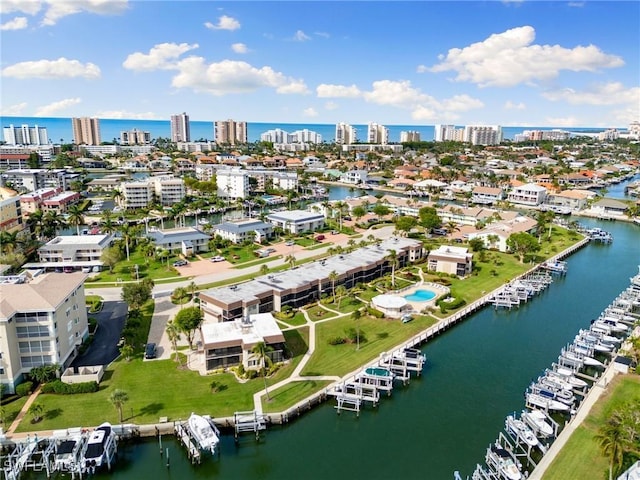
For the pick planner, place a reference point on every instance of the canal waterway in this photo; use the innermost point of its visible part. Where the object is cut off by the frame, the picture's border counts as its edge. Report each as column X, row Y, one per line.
column 476, row 375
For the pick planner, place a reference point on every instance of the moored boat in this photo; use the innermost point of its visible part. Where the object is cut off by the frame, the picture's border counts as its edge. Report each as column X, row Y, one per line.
column 537, row 420
column 521, row 430
column 204, row 432
column 504, row 462
column 96, row 450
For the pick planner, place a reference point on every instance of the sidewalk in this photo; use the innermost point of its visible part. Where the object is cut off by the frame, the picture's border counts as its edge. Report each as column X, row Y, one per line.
column 24, row 411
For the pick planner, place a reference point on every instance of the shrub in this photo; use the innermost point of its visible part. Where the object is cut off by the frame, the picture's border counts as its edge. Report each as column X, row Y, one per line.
column 61, row 388
column 240, row 370
column 24, row 389
column 375, row 312
column 336, row 341
column 251, row 374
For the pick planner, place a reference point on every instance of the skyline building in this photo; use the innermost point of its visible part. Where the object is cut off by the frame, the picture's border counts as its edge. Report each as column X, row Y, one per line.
column 228, row 132
column 410, row 136
column 25, row 135
column 180, row 130
column 135, row 137
column 86, row 130
column 345, row 134
column 377, row 133
column 483, row 134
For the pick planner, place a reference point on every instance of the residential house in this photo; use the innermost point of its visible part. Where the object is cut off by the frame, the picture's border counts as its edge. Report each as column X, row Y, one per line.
column 188, row 240
column 239, row 231
column 72, row 252
column 297, row 221
column 452, row 260
column 528, row 194
column 486, row 195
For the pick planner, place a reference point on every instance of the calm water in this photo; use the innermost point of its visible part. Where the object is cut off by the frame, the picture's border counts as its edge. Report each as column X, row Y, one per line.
column 59, row 129
column 476, row 375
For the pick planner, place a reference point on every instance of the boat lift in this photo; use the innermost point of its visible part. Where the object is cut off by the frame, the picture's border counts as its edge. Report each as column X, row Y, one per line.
column 17, row 460
column 249, row 421
column 184, row 436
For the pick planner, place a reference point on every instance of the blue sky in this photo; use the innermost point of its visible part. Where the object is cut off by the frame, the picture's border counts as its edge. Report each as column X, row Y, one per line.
column 562, row 64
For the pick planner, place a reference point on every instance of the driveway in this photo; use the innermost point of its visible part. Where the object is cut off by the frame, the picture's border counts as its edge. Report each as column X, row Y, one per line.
column 104, row 348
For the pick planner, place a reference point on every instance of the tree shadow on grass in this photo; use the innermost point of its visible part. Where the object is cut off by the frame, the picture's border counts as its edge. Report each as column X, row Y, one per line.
column 152, row 408
column 53, row 413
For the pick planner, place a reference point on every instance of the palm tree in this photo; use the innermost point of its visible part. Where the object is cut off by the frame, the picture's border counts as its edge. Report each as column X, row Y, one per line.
column 118, row 398
column 260, row 350
column 333, row 276
column 264, row 269
column 291, row 260
column 393, row 260
column 356, row 315
column 173, row 333
column 612, row 440
column 8, row 241
column 76, row 217
column 36, row 223
column 35, row 410
column 341, row 292
column 192, row 289
column 126, row 230
column 107, row 226
column 53, row 222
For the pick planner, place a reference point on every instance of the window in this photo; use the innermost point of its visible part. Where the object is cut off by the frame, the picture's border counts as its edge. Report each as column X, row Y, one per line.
column 32, row 331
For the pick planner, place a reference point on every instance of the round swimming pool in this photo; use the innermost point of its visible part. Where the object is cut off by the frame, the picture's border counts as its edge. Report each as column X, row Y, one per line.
column 421, row 296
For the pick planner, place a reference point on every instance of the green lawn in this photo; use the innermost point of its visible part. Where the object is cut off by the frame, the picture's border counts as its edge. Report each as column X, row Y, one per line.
column 125, row 270
column 381, row 334
column 10, row 409
column 257, row 262
column 240, row 253
column 581, row 456
column 345, row 305
column 318, row 313
column 295, row 321
column 292, row 393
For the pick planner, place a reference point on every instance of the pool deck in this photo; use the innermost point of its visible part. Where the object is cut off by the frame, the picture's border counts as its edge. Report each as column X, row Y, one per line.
column 440, row 290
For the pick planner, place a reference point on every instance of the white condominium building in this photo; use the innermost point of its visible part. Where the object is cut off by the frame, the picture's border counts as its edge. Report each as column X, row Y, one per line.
column 228, row 132
column 180, row 129
column 305, row 136
column 43, row 321
column 25, row 135
column 275, row 136
column 135, row 137
column 86, row 131
column 483, row 134
column 169, row 190
column 135, row 194
column 448, row 133
column 377, row 134
column 410, row 136
column 233, row 183
column 345, row 134
column 166, row 189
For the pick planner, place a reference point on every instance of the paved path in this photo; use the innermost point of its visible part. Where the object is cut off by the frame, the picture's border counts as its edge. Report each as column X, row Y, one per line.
column 23, row 411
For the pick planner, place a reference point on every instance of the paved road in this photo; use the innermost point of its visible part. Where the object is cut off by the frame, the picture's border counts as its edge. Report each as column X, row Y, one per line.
column 104, row 348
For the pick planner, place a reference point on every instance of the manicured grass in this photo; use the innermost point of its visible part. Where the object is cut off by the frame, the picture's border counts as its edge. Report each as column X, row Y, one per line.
column 257, row 262
column 292, row 393
column 318, row 313
column 295, row 321
column 381, row 334
column 125, row 269
column 319, row 246
column 244, row 253
column 10, row 409
column 581, row 456
column 94, row 302
column 345, row 305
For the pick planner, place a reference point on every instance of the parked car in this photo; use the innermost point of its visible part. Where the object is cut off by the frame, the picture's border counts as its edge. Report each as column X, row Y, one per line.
column 407, row 317
column 217, row 258
column 270, row 250
column 86, row 269
column 180, row 263
column 319, row 238
column 150, row 350
column 334, row 232
column 289, row 243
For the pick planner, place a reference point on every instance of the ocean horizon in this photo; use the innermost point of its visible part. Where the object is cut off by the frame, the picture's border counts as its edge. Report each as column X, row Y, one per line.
column 59, row 129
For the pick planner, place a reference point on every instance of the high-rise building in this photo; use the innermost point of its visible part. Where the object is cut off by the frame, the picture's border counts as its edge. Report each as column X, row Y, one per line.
column 447, row 133
column 378, row 134
column 86, row 131
column 345, row 134
column 25, row 135
column 180, row 131
column 410, row 136
column 135, row 137
column 228, row 132
column 483, row 134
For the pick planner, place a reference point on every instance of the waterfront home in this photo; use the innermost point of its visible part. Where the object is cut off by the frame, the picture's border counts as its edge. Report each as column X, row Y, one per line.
column 72, row 252
column 355, row 177
column 188, row 240
column 496, row 234
column 231, row 343
column 530, row 194
column 573, row 199
column 297, row 221
column 239, row 231
column 609, row 207
column 306, row 283
column 486, row 195
column 451, row 260
column 43, row 321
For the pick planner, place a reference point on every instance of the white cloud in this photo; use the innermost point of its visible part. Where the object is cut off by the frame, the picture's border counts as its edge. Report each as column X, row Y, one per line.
column 576, row 4
column 239, row 48
column 325, row 90
column 423, row 113
column 55, row 107
column 30, row 7
column 460, row 103
column 562, row 122
column 61, row 8
column 422, row 69
column 17, row 23
column 224, row 23
column 613, row 93
column 49, row 69
column 230, row 76
column 127, row 115
column 161, row 56
column 509, row 105
column 322, row 34
column 510, row 58
column 300, row 36
column 310, row 112
column 13, row 110
column 331, row 105
column 396, row 93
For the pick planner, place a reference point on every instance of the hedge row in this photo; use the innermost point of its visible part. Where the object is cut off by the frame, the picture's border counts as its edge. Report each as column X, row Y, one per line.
column 59, row 387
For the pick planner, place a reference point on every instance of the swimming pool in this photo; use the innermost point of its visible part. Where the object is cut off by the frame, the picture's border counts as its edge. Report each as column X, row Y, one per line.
column 421, row 296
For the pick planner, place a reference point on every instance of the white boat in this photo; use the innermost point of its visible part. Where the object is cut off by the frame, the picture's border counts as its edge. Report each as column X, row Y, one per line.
column 546, row 403
column 547, row 388
column 521, row 430
column 67, row 451
column 203, row 221
column 567, row 376
column 204, row 432
column 504, row 462
column 614, row 324
column 94, row 453
column 537, row 420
